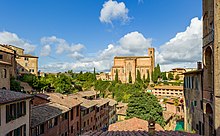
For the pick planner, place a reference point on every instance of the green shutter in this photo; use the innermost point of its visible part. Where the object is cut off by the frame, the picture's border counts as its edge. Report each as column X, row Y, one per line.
column 24, row 107
column 7, row 113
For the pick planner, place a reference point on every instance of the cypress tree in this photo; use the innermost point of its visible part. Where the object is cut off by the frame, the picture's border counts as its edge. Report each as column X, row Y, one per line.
column 148, row 76
column 144, row 78
column 138, row 79
column 130, row 78
column 94, row 73
column 116, row 76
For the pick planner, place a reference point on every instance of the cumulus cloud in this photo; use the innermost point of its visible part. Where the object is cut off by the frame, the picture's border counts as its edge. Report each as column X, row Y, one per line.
column 113, row 10
column 45, row 50
column 13, row 39
column 184, row 47
column 61, row 45
column 76, row 55
column 131, row 44
column 135, row 41
column 103, row 61
column 184, row 50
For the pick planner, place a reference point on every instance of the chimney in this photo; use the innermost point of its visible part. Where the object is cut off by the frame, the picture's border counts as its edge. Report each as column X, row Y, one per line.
column 151, row 127
column 199, row 65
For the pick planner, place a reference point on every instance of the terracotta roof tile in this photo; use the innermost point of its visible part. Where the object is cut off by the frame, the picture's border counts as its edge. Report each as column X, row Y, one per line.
column 112, row 102
column 133, row 124
column 26, row 86
column 84, row 102
column 101, row 101
column 63, row 100
column 45, row 112
column 120, row 104
column 137, row 133
column 88, row 93
column 122, row 111
column 7, row 96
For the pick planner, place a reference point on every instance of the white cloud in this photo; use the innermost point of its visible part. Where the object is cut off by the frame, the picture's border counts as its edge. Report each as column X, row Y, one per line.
column 184, row 50
column 113, row 10
column 76, row 55
column 61, row 45
column 135, row 41
column 45, row 50
column 185, row 47
column 131, row 44
column 13, row 39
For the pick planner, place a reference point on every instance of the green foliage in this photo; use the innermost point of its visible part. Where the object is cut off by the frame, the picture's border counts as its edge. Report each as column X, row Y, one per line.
column 163, row 75
column 63, row 84
column 94, row 75
column 138, row 78
column 116, row 76
column 144, row 79
column 14, row 85
column 156, row 73
column 130, row 77
column 122, row 92
column 170, row 76
column 29, row 78
column 177, row 77
column 102, row 86
column 145, row 106
column 148, row 77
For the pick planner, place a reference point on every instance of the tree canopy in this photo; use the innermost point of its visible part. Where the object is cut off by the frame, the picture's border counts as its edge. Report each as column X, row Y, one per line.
column 156, row 73
column 130, row 78
column 145, row 106
column 116, row 76
column 170, row 76
column 138, row 78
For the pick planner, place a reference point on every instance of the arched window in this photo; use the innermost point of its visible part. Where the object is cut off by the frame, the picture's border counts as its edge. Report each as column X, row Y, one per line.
column 209, row 65
column 4, row 73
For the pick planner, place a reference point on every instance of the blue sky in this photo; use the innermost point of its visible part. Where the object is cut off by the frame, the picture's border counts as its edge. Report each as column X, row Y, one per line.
column 81, row 34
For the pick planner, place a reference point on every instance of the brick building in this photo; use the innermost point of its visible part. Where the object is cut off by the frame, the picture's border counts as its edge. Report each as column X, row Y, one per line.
column 102, row 114
column 131, row 64
column 211, row 66
column 112, row 111
column 69, row 120
column 193, row 94
column 49, row 120
column 88, row 114
column 90, row 95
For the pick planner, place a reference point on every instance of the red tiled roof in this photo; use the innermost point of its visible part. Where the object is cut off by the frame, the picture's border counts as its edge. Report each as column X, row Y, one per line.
column 100, row 101
column 133, row 124
column 88, row 93
column 7, row 96
column 63, row 100
column 122, row 111
column 112, row 102
column 137, row 133
column 45, row 112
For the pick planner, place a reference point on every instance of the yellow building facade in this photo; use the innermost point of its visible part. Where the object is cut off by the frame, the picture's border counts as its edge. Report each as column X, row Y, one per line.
column 26, row 63
column 7, row 66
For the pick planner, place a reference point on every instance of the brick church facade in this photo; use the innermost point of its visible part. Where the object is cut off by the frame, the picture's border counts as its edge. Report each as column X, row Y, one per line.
column 131, row 64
